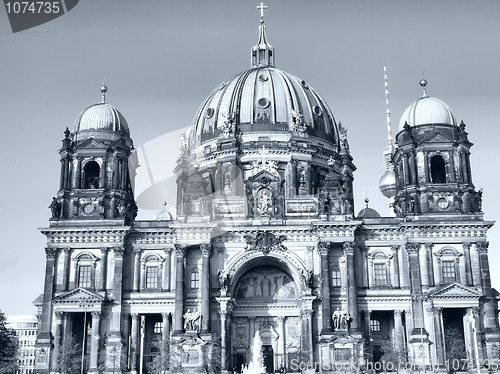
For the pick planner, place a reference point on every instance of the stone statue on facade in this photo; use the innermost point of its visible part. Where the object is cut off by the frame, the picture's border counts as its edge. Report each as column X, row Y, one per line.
column 55, row 208
column 192, row 320
column 223, row 279
column 341, row 320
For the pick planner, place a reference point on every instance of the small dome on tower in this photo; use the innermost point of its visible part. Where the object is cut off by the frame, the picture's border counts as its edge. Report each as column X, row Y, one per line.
column 368, row 212
column 427, row 111
column 101, row 116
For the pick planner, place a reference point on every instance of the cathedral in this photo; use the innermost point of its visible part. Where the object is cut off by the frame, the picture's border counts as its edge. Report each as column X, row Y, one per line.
column 266, row 245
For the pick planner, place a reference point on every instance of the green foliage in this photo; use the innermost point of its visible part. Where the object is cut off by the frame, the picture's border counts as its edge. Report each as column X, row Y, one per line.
column 393, row 354
column 69, row 359
column 8, row 348
column 455, row 346
column 160, row 362
column 215, row 356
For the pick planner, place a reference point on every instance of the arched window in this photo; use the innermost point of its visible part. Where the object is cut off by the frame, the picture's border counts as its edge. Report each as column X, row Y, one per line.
column 448, row 259
column 380, row 269
column 438, row 171
column 152, row 272
column 85, row 270
column 91, row 172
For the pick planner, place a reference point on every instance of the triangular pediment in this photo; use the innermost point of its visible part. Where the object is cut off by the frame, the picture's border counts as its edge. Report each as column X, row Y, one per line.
column 260, row 175
column 91, row 143
column 455, row 291
column 76, row 296
column 438, row 137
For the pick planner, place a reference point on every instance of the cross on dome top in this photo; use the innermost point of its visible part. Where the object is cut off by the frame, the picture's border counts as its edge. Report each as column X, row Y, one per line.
column 261, row 7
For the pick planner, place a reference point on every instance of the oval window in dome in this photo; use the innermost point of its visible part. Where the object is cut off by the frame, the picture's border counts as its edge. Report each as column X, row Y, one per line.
column 317, row 110
column 263, row 102
column 209, row 112
column 263, row 78
column 222, row 85
column 304, row 84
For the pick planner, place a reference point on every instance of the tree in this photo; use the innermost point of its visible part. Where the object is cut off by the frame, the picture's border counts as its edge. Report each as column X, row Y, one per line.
column 113, row 359
column 8, row 348
column 160, row 362
column 69, row 359
column 214, row 358
column 394, row 355
column 455, row 348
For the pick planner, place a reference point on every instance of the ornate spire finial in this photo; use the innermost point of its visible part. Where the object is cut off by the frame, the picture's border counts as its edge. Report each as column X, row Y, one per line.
column 104, row 89
column 263, row 52
column 423, row 83
column 261, row 7
column 367, row 201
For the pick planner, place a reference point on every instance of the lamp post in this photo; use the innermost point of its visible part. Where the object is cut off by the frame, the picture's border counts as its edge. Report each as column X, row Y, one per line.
column 84, row 303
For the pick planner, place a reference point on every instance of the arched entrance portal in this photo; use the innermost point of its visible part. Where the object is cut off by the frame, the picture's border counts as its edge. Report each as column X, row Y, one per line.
column 267, row 299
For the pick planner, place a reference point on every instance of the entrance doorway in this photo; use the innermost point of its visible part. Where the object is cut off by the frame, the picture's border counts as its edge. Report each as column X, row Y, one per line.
column 268, row 354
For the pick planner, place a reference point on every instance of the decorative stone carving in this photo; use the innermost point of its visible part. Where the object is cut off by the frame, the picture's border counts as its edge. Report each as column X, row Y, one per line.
column 264, row 165
column 192, row 320
column 50, row 252
column 265, row 242
column 482, row 247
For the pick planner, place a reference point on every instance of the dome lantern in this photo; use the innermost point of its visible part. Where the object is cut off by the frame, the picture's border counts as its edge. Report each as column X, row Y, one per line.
column 262, row 52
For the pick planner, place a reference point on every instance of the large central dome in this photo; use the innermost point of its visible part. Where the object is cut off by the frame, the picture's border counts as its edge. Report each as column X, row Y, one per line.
column 264, row 99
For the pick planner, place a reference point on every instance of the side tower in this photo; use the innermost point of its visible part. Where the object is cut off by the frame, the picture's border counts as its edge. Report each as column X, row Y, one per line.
column 91, row 216
column 445, row 257
column 432, row 162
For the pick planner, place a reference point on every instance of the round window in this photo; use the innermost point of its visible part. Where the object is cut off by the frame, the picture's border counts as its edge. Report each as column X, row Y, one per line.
column 442, row 203
column 263, row 103
column 222, row 85
column 317, row 110
column 303, row 83
column 209, row 113
column 263, row 78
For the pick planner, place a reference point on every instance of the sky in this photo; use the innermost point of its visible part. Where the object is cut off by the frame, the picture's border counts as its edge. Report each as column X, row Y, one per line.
column 160, row 60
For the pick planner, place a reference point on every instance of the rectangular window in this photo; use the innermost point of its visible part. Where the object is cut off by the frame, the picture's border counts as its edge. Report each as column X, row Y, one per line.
column 375, row 325
column 84, row 276
column 195, row 280
column 151, row 277
column 379, row 274
column 336, row 278
column 448, row 268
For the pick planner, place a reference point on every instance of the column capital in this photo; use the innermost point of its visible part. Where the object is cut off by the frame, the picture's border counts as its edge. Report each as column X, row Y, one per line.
column 134, row 315
column 305, row 313
column 50, row 252
column 323, row 248
column 59, row 316
column 434, row 311
column 180, row 250
column 68, row 250
column 412, row 248
column 137, row 251
column 348, row 247
column 206, row 249
column 473, row 311
column 397, row 313
column 428, row 246
column 310, row 248
column 395, row 248
column 223, row 314
column 165, row 316
column 118, row 251
column 482, row 247
column 105, row 250
column 466, row 245
column 167, row 250
column 96, row 315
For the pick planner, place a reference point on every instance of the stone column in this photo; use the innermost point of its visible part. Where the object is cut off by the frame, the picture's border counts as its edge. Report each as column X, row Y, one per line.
column 58, row 339
column 430, row 260
column 352, row 296
column 413, row 168
column 206, row 253
column 323, row 249
column 395, row 261
column 426, row 167
column 137, row 269
column 168, row 269
column 398, row 329
column 115, row 335
column 368, row 331
column 452, row 167
column 67, row 268
column 437, row 314
column 134, row 343
column 223, row 338
column 415, row 286
column 281, row 339
column 179, row 289
column 473, row 335
column 252, row 330
column 475, row 266
column 165, row 336
column 406, row 169
column 490, row 305
column 94, row 342
column 45, row 322
column 467, row 261
column 104, row 268
column 306, row 335
column 424, row 265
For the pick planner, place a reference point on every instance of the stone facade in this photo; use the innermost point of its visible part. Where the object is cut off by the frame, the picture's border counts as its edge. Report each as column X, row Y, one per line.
column 265, row 239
